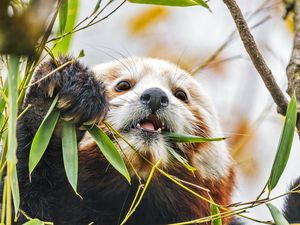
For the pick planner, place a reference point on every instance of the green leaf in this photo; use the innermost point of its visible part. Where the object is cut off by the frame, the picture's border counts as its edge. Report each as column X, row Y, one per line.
column 15, row 188
column 2, row 101
column 109, row 150
column 2, row 121
column 34, row 222
column 43, row 136
column 181, row 3
column 214, row 211
column 70, row 152
column 185, row 138
column 3, row 154
column 63, row 16
column 285, row 144
column 181, row 159
column 277, row 215
column 13, row 69
column 62, row 45
column 81, row 54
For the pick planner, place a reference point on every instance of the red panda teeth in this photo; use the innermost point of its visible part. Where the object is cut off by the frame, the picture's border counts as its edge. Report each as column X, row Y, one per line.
column 138, row 126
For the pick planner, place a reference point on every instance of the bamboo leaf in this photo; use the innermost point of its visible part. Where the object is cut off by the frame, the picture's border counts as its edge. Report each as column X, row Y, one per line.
column 62, row 46
column 43, row 136
column 185, row 138
column 181, row 159
column 2, row 100
column 109, row 150
column 181, row 3
column 34, row 222
column 70, row 152
column 285, row 144
column 81, row 54
column 13, row 69
column 63, row 15
column 15, row 188
column 215, row 213
column 2, row 123
column 3, row 154
column 4, row 192
column 277, row 215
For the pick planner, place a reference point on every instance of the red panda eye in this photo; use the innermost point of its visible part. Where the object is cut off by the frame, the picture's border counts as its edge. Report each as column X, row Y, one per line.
column 180, row 94
column 123, row 86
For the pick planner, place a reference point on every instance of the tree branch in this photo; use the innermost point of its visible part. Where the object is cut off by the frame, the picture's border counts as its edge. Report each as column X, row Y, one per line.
column 293, row 68
column 256, row 57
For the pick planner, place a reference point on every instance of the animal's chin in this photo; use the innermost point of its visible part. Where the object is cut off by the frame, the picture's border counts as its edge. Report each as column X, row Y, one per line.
column 148, row 142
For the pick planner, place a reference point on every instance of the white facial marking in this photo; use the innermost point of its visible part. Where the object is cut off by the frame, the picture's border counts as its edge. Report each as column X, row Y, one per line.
column 126, row 113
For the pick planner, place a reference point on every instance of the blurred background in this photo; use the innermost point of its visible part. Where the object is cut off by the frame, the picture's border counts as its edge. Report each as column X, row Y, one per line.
column 189, row 37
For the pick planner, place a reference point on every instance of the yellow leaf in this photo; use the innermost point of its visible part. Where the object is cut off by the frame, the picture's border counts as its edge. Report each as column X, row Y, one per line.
column 146, row 19
column 289, row 21
column 242, row 148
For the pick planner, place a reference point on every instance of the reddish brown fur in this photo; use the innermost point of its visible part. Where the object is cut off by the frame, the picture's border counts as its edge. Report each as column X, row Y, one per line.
column 180, row 201
column 106, row 195
column 108, row 179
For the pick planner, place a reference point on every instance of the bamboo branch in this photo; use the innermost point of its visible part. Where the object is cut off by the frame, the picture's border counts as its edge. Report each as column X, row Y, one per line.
column 231, row 37
column 256, row 57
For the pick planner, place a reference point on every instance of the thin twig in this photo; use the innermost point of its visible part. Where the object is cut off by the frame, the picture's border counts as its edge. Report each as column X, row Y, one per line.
column 89, row 24
column 24, row 111
column 51, row 73
column 226, row 209
column 138, row 200
column 3, row 95
column 3, row 201
column 230, row 38
column 222, row 61
column 256, row 57
column 98, row 14
column 130, row 163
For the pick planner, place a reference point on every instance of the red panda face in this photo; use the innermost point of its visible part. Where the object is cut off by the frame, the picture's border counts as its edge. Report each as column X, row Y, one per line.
column 148, row 97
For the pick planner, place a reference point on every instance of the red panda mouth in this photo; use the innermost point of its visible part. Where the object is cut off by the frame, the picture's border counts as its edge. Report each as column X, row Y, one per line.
column 151, row 124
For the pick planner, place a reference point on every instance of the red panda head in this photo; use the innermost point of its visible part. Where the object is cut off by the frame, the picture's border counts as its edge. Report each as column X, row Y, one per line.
column 149, row 96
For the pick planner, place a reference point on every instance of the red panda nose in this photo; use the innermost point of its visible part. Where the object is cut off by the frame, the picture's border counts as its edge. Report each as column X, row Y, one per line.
column 155, row 99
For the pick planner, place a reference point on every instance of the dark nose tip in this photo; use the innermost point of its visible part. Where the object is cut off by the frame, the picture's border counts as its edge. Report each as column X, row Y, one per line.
column 154, row 98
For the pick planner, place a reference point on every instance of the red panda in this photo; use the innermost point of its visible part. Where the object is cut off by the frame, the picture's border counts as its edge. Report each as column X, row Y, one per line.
column 141, row 98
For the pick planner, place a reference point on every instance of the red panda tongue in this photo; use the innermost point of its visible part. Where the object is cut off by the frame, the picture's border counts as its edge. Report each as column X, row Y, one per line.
column 148, row 126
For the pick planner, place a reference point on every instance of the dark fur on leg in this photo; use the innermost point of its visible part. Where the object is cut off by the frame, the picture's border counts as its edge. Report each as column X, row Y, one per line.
column 81, row 99
column 292, row 204
column 236, row 221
